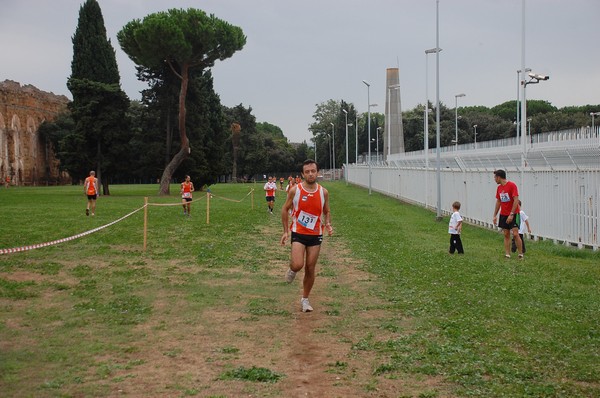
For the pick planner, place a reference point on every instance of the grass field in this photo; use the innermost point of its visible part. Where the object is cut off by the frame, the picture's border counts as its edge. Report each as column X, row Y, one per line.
column 204, row 310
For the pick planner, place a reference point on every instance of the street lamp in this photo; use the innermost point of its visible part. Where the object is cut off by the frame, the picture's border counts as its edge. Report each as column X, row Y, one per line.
column 518, row 97
column 377, row 145
column 426, row 122
column 456, row 97
column 475, row 134
column 388, row 124
column 592, row 114
column 371, row 106
column 329, row 152
column 346, row 168
column 333, row 135
column 534, row 79
column 438, row 216
column 529, row 128
column 356, row 140
column 369, row 128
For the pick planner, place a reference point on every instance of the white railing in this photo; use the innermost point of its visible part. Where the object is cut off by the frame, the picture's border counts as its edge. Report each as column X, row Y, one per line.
column 558, row 179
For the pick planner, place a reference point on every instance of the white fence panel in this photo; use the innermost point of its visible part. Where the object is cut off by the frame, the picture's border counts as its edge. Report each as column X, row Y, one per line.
column 559, row 186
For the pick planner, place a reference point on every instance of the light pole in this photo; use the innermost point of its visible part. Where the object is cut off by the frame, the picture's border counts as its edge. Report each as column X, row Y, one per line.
column 346, row 168
column 369, row 128
column 315, row 140
column 518, row 97
column 475, row 134
column 356, row 140
column 372, row 106
column 377, row 143
column 592, row 114
column 534, row 79
column 388, row 124
column 529, row 128
column 437, row 111
column 333, row 145
column 329, row 152
column 456, row 97
column 426, row 122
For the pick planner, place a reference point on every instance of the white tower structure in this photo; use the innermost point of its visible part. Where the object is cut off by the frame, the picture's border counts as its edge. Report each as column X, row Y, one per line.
column 393, row 138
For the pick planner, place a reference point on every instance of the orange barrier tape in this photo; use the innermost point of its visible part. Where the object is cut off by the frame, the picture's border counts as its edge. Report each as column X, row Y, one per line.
column 55, row 242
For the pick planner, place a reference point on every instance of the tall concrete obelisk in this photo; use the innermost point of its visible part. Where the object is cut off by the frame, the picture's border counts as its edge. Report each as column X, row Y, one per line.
column 393, row 139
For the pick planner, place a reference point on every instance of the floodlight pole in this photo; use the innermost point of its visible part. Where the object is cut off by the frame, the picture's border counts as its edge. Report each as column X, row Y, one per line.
column 437, row 110
column 456, row 120
column 356, row 140
column 346, row 167
column 369, row 130
column 333, row 135
column 426, row 122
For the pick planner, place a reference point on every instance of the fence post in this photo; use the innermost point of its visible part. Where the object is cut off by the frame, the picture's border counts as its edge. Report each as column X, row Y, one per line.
column 207, row 208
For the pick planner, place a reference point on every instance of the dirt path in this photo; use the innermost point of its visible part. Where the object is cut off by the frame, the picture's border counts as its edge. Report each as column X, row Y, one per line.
column 315, row 352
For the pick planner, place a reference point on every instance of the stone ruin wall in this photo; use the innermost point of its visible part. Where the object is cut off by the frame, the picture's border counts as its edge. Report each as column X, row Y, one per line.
column 25, row 156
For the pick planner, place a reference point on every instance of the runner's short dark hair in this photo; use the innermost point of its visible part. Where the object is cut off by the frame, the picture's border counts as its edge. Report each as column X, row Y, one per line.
column 310, row 161
column 500, row 173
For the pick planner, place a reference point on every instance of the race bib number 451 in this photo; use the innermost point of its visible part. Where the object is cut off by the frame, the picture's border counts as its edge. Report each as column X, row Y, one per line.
column 307, row 220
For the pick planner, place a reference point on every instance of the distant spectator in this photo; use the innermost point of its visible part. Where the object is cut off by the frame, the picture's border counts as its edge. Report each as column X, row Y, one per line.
column 524, row 223
column 454, row 229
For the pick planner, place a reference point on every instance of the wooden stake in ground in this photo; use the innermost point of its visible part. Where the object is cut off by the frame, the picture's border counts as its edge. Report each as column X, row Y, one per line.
column 145, row 221
column 207, row 208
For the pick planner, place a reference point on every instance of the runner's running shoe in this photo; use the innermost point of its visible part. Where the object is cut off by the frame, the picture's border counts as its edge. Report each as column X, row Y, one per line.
column 305, row 305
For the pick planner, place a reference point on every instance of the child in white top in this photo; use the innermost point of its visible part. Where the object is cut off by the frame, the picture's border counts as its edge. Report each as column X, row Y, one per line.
column 524, row 222
column 454, row 229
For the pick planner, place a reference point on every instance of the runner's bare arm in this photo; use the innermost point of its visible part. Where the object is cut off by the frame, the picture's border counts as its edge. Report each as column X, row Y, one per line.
column 327, row 213
column 285, row 214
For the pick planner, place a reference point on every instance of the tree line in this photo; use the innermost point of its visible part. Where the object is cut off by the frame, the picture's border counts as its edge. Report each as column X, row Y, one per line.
column 492, row 123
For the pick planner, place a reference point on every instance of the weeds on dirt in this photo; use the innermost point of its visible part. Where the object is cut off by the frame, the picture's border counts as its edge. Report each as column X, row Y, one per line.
column 254, row 373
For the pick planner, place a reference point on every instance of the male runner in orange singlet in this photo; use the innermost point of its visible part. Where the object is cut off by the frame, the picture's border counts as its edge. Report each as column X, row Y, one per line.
column 309, row 205
column 187, row 187
column 90, row 188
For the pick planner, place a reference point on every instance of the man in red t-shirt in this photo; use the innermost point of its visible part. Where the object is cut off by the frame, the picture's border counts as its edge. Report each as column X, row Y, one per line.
column 507, row 201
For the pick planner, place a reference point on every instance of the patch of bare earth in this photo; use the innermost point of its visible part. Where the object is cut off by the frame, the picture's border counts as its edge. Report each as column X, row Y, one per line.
column 314, row 351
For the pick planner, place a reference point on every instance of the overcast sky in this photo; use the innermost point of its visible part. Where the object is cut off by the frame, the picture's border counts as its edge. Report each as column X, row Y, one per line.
column 302, row 53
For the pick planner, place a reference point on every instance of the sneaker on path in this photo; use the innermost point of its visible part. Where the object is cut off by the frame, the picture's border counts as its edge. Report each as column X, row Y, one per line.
column 289, row 276
column 305, row 305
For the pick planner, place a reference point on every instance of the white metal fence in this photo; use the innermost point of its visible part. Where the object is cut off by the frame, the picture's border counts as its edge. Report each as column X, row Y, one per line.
column 558, row 179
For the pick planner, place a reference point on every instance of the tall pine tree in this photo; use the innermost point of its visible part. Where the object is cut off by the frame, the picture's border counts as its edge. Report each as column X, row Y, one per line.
column 99, row 105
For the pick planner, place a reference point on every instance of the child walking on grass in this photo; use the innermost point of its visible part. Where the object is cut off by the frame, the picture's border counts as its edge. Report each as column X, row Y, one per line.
column 524, row 224
column 454, row 229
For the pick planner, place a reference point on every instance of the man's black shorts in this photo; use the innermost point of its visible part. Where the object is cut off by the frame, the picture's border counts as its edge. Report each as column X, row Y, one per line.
column 187, row 199
column 92, row 197
column 270, row 198
column 514, row 224
column 307, row 240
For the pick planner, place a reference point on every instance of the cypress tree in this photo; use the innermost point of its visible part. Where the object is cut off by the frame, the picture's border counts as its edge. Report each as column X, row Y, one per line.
column 93, row 55
column 99, row 105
